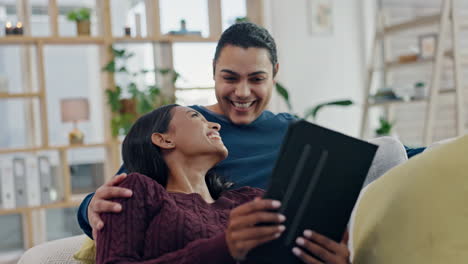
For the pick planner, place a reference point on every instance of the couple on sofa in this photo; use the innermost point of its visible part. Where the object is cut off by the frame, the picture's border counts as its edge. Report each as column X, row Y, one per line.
column 177, row 205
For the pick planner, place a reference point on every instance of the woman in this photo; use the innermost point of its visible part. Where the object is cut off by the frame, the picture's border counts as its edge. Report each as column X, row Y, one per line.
column 180, row 212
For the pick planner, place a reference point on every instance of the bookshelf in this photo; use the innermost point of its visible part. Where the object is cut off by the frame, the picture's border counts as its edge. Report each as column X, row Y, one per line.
column 449, row 23
column 102, row 40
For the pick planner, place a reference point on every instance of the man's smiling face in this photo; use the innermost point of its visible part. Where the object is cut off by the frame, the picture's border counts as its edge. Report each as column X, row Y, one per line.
column 243, row 82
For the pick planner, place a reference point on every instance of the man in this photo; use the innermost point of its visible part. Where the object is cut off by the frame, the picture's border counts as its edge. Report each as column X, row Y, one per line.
column 244, row 68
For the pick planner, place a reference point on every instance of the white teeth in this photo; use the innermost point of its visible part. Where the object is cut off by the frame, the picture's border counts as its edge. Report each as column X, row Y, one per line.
column 243, row 105
column 212, row 136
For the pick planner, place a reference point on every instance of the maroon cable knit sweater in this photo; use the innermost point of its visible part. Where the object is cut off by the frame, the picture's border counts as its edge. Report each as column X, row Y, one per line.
column 160, row 227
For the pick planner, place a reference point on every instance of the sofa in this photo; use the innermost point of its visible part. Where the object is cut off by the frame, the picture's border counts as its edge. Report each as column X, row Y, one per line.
column 390, row 154
column 57, row 251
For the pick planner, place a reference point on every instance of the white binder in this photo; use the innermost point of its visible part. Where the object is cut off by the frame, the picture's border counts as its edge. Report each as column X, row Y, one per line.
column 19, row 174
column 32, row 181
column 1, row 185
column 48, row 192
column 7, row 188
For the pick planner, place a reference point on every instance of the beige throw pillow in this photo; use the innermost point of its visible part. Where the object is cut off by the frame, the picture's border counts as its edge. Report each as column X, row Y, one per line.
column 87, row 252
column 417, row 212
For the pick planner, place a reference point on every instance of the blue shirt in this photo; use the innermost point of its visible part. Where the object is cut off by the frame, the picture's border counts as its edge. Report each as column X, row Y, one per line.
column 253, row 150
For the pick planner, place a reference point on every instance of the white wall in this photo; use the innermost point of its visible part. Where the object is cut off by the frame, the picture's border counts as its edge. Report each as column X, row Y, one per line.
column 319, row 68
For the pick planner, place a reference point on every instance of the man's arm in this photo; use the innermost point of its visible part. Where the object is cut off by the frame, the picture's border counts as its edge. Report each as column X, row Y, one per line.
column 83, row 216
column 411, row 152
column 98, row 202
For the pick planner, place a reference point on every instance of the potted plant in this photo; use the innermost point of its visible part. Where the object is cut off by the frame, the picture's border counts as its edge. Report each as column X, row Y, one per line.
column 385, row 128
column 82, row 18
column 130, row 101
column 313, row 111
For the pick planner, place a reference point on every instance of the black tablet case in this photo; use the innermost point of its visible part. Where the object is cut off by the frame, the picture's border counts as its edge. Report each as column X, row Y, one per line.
column 318, row 176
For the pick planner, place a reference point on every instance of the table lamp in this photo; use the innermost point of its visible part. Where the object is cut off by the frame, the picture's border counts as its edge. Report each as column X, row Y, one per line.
column 75, row 110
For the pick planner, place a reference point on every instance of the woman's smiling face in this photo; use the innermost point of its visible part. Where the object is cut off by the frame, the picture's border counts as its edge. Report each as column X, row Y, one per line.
column 192, row 134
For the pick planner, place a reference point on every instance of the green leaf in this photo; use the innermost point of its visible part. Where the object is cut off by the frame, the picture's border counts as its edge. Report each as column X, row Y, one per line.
column 312, row 112
column 385, row 126
column 175, row 74
column 80, row 14
column 122, row 53
column 154, row 90
column 283, row 92
column 128, row 55
column 147, row 106
column 126, row 123
column 175, row 77
column 110, row 66
column 133, row 89
column 113, row 99
column 242, row 19
column 144, row 71
column 115, row 125
column 164, row 71
column 72, row 16
column 121, row 124
column 84, row 14
column 118, row 53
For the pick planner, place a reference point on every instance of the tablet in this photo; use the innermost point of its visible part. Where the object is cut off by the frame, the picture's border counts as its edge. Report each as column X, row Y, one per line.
column 317, row 177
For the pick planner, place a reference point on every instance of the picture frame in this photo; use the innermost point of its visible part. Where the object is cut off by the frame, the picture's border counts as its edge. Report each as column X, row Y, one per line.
column 320, row 17
column 427, row 46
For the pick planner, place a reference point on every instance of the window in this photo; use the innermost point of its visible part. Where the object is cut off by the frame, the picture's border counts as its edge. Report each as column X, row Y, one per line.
column 14, row 233
column 62, row 223
column 232, row 9
column 78, row 77
column 128, row 14
column 16, row 130
column 194, row 63
column 194, row 12
column 87, row 169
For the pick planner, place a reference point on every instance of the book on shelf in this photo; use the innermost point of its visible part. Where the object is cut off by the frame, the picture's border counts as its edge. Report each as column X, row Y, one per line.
column 32, row 181
column 19, row 174
column 47, row 191
column 7, row 188
column 1, row 185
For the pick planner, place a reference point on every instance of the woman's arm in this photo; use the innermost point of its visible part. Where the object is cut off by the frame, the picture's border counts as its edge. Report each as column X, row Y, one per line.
column 207, row 251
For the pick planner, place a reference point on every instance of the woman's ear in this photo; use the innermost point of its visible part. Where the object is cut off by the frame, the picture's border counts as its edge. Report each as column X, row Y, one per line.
column 162, row 141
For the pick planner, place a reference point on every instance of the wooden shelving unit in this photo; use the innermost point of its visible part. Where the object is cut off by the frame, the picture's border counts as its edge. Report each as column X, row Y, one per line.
column 103, row 40
column 389, row 65
column 448, row 21
column 417, row 22
column 53, row 148
column 18, row 95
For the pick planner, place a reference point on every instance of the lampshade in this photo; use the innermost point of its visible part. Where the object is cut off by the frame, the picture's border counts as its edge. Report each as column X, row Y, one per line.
column 74, row 109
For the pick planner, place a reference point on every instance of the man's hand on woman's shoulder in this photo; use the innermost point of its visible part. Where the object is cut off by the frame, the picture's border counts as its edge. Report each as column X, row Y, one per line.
column 100, row 202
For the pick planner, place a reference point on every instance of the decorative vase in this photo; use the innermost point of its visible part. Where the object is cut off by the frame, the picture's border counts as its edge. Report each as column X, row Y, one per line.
column 83, row 27
column 76, row 137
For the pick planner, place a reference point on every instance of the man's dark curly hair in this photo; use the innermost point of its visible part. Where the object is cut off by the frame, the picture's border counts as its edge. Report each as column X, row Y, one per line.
column 248, row 35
